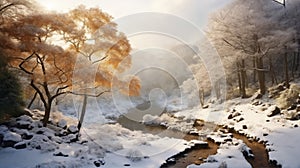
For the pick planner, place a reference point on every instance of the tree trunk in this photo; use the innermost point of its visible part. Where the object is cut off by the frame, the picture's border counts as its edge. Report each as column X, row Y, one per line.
column 286, row 69
column 294, row 65
column 261, row 75
column 82, row 112
column 254, row 70
column 272, row 73
column 298, row 58
column 246, row 80
column 47, row 113
column 239, row 77
column 201, row 96
column 217, row 89
column 243, row 79
column 298, row 61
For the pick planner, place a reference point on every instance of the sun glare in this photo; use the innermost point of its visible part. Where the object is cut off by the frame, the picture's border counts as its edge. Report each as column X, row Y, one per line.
column 49, row 6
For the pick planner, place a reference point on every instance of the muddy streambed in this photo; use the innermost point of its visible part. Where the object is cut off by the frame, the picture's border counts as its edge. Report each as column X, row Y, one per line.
column 197, row 156
column 261, row 159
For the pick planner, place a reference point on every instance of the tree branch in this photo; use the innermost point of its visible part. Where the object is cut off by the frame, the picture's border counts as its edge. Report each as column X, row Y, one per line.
column 89, row 95
column 38, row 91
column 100, row 59
column 2, row 9
column 61, row 88
column 23, row 62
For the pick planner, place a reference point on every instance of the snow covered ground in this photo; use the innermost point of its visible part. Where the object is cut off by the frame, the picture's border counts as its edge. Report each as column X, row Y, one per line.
column 105, row 145
column 252, row 118
column 111, row 145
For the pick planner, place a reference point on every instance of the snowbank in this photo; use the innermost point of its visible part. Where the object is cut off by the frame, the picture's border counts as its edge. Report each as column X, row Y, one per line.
column 279, row 134
column 105, row 145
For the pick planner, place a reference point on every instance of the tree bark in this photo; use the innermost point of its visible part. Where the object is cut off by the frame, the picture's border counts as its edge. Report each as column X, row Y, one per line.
column 217, row 89
column 261, row 75
column 82, row 112
column 243, row 75
column 294, row 65
column 298, row 61
column 254, row 70
column 243, row 79
column 272, row 73
column 47, row 113
column 239, row 77
column 286, row 69
column 201, row 96
column 298, row 58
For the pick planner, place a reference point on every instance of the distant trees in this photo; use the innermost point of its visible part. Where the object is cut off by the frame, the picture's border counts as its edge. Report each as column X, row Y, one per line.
column 288, row 17
column 248, row 33
column 50, row 49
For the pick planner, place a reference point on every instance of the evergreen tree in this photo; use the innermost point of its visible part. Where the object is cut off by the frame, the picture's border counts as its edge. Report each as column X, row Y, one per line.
column 11, row 101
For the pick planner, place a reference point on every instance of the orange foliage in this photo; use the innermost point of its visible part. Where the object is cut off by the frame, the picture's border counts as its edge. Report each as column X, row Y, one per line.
column 48, row 48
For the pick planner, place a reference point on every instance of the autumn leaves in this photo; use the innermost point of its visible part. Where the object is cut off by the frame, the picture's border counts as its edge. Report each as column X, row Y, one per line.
column 77, row 52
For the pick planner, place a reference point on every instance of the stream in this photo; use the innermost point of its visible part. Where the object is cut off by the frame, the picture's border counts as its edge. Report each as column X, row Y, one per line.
column 197, row 156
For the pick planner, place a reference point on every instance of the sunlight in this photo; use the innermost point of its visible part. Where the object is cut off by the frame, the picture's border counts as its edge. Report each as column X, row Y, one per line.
column 150, row 83
column 50, row 6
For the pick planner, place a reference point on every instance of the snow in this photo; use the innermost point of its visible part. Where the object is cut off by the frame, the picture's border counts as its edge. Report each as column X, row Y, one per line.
column 3, row 129
column 230, row 153
column 19, row 144
column 156, row 153
column 10, row 157
column 73, row 129
column 284, row 146
column 168, row 121
column 116, row 138
column 226, row 155
column 62, row 123
column 41, row 142
column 282, row 149
column 271, row 130
column 24, row 118
column 11, row 136
column 118, row 146
column 149, row 119
column 109, row 143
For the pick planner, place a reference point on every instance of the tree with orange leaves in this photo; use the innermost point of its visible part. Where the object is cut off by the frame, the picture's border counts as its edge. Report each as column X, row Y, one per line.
column 72, row 53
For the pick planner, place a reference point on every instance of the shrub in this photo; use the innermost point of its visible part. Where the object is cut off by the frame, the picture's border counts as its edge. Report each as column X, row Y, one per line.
column 11, row 101
column 288, row 96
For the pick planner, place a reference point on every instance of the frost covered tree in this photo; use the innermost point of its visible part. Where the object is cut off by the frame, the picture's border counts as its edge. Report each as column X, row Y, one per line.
column 288, row 17
column 247, row 34
column 50, row 49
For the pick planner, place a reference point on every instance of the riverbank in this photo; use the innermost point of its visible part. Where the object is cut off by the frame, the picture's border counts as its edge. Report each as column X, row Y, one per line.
column 197, row 156
column 250, row 124
column 259, row 120
column 26, row 143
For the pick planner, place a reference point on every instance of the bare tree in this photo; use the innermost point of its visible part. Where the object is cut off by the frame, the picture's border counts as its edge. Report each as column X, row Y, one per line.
column 244, row 31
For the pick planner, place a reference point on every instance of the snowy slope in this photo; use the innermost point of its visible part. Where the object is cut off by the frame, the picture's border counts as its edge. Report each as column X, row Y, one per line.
column 108, row 144
column 280, row 135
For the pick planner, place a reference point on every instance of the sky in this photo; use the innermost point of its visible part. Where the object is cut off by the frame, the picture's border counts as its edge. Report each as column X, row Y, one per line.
column 188, row 14
column 155, row 29
column 195, row 11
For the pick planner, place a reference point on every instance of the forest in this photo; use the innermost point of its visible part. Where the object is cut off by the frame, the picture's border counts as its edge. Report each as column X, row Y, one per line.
column 83, row 88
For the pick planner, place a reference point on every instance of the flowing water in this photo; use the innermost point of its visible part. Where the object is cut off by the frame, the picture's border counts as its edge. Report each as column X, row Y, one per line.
column 197, row 156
